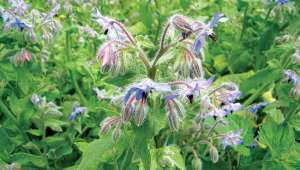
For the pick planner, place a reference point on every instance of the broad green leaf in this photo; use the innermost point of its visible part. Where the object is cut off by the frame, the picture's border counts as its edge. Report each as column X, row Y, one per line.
column 103, row 150
column 6, row 144
column 170, row 153
column 276, row 115
column 278, row 138
column 295, row 121
column 262, row 77
column 26, row 158
column 146, row 15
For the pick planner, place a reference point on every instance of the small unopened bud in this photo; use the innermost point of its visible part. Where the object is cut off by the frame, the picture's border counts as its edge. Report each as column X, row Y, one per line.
column 197, row 164
column 129, row 109
column 68, row 6
column 182, row 23
column 214, row 155
column 107, row 123
column 173, row 121
column 116, row 134
column 140, row 114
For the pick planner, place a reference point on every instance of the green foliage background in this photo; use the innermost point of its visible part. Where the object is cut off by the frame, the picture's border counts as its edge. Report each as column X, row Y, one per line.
column 251, row 50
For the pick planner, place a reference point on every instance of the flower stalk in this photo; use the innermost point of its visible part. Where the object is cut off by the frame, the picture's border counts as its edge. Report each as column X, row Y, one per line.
column 73, row 78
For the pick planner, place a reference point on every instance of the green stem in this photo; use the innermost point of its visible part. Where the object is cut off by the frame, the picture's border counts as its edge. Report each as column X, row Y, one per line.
column 244, row 22
column 11, row 116
column 127, row 159
column 44, row 128
column 73, row 78
column 255, row 95
column 268, row 14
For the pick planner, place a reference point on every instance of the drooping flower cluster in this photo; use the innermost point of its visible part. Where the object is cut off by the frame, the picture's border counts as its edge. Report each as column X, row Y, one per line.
column 111, row 53
column 187, row 26
column 48, row 108
column 190, row 64
column 13, row 18
column 135, row 99
column 216, row 103
column 293, row 77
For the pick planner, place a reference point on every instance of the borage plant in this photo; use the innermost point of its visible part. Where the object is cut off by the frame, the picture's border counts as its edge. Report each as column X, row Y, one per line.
column 209, row 132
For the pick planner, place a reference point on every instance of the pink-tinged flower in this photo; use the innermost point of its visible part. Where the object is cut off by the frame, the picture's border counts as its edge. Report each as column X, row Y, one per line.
column 140, row 112
column 175, row 112
column 116, row 134
column 136, row 97
column 22, row 57
column 109, row 55
column 188, row 65
column 108, row 122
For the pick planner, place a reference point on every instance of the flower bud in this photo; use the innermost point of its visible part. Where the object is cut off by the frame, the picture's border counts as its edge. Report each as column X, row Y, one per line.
column 116, row 134
column 107, row 123
column 181, row 23
column 173, row 121
column 197, row 164
column 214, row 155
column 140, row 113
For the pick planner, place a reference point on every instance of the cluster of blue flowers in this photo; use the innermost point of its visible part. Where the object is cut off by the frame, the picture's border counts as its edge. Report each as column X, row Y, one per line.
column 76, row 111
column 281, row 2
column 293, row 77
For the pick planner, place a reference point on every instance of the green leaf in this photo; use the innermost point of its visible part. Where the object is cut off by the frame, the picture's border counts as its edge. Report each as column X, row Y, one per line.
column 141, row 139
column 55, row 124
column 276, row 115
column 170, row 153
column 6, row 144
column 103, row 150
column 295, row 121
column 262, row 77
column 26, row 158
column 278, row 138
column 220, row 63
column 146, row 16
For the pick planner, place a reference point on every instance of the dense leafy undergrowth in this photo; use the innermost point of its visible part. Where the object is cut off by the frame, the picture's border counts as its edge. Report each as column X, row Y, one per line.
column 157, row 84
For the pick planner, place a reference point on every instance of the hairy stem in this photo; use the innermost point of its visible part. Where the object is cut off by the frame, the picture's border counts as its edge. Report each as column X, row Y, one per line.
column 142, row 54
column 73, row 79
